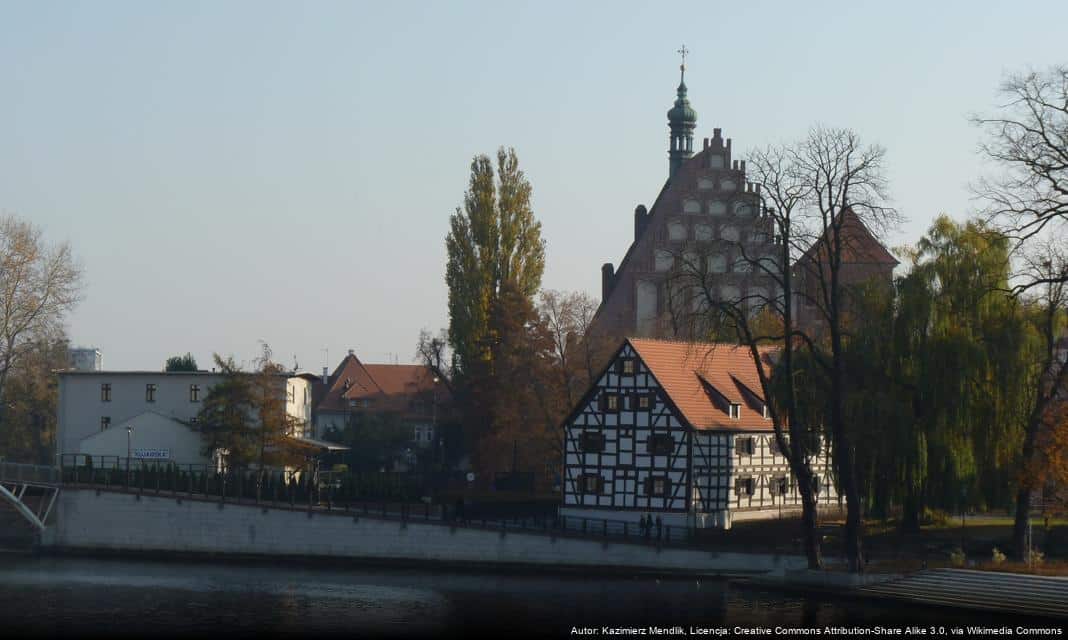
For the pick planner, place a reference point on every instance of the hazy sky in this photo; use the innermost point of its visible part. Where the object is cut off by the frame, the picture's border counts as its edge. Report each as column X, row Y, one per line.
column 236, row 171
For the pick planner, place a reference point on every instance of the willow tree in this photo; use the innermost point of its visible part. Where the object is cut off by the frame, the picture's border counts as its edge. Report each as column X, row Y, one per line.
column 494, row 246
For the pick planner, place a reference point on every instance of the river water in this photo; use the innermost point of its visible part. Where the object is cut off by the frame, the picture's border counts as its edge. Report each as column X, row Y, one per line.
column 79, row 597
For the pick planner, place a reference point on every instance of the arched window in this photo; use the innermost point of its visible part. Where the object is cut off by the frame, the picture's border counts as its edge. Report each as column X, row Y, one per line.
column 664, row 260
column 676, row 231
column 717, row 207
column 727, row 184
column 691, row 206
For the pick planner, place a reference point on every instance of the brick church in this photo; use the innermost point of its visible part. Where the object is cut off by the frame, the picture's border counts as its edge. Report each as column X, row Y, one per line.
column 706, row 218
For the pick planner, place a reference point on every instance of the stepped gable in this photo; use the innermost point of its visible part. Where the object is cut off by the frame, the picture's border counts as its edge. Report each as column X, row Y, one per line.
column 702, row 379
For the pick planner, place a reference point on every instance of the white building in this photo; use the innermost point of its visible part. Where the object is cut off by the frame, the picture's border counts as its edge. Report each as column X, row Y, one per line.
column 679, row 431
column 147, row 413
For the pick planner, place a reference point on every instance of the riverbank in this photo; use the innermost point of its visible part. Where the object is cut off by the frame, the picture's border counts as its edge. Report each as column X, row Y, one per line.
column 62, row 596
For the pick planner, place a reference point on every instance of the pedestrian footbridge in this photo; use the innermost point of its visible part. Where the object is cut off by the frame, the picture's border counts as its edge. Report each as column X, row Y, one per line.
column 29, row 490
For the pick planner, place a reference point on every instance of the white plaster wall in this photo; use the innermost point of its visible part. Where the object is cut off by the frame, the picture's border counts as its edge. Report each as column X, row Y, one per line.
column 149, row 430
column 117, row 521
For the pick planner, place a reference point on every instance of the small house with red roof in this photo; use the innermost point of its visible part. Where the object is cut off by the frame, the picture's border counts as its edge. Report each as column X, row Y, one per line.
column 679, row 431
column 408, row 391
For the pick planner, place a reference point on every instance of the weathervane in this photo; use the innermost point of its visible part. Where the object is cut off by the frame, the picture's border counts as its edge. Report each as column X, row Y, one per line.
column 683, row 52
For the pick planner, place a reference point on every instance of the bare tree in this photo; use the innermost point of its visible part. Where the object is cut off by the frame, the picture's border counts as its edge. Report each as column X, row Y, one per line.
column 823, row 192
column 1045, row 267
column 1028, row 201
column 39, row 285
column 1029, row 142
column 568, row 316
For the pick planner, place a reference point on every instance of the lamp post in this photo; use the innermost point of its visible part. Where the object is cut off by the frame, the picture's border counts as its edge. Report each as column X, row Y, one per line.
column 129, row 438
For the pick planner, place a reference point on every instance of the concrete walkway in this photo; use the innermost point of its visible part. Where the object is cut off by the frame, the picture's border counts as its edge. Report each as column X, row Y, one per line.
column 989, row 590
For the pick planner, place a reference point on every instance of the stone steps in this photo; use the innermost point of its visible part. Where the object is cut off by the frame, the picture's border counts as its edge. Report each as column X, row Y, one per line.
column 1038, row 595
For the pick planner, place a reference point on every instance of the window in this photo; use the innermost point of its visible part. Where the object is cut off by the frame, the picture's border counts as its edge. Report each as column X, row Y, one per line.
column 628, row 367
column 773, row 446
column 591, row 442
column 105, row 423
column 194, row 393
column 744, row 486
column 592, row 484
column 658, row 486
column 663, row 260
column 779, row 486
column 352, row 403
column 736, row 411
column 610, row 402
column 105, row 393
column 660, row 444
column 150, row 392
column 744, row 446
column 643, row 401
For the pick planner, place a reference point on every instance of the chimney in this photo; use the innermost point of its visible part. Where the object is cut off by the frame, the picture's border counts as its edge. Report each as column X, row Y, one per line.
column 608, row 273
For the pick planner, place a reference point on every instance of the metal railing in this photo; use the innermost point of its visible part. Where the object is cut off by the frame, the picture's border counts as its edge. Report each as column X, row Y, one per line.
column 331, row 492
column 32, row 473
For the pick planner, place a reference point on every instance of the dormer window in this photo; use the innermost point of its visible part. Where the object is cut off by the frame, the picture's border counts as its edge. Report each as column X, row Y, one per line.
column 736, row 411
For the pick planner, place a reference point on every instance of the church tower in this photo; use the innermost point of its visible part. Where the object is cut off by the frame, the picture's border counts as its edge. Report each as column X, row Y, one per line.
column 682, row 120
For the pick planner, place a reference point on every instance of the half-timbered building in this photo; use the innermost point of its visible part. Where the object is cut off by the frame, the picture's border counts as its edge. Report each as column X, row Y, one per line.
column 679, row 431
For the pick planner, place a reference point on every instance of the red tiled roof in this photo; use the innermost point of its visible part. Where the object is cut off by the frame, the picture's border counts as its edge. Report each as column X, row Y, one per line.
column 354, row 380
column 391, row 379
column 702, row 378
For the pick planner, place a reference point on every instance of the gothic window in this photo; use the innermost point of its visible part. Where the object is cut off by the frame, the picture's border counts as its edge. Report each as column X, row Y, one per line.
column 702, row 233
column 691, row 262
column 706, row 184
column 717, row 207
column 729, row 233
column 676, row 231
column 717, row 263
column 691, row 206
column 743, row 209
column 727, row 185
column 664, row 260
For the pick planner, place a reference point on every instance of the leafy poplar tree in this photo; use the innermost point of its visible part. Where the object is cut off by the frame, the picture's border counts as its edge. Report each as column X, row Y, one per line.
column 496, row 257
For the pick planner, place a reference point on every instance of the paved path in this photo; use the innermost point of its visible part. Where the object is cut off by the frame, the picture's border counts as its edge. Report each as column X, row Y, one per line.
column 990, row 590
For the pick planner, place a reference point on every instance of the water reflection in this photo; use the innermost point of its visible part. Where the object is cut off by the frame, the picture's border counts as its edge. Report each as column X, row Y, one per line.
column 76, row 596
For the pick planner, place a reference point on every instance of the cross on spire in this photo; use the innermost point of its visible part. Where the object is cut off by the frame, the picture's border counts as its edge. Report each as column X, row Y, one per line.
column 682, row 67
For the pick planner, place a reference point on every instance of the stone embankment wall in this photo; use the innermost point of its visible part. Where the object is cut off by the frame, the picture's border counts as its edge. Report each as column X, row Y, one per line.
column 113, row 521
